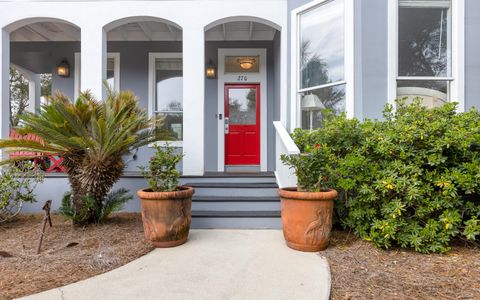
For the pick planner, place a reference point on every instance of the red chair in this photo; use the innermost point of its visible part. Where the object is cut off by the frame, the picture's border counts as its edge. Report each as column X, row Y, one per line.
column 38, row 157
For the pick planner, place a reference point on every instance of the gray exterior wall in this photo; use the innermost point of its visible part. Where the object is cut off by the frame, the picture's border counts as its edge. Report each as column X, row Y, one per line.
column 472, row 54
column 371, row 46
column 211, row 98
column 42, row 57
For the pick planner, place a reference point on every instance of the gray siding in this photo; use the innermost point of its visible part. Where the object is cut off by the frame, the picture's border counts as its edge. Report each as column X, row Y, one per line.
column 42, row 57
column 211, row 99
column 374, row 65
column 472, row 53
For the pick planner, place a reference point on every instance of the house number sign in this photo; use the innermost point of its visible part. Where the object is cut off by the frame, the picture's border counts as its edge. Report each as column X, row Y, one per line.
column 242, row 78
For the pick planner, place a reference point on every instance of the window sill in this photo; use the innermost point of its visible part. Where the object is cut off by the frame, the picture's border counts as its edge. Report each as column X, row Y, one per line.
column 175, row 144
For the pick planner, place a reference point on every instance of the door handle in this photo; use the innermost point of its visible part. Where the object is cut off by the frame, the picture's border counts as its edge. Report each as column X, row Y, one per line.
column 226, row 124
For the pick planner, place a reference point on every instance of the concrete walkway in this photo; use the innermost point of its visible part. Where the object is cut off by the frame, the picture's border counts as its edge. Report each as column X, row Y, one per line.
column 213, row 264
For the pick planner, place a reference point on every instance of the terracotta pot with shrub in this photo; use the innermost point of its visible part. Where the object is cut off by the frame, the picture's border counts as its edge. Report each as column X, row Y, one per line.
column 166, row 207
column 307, row 210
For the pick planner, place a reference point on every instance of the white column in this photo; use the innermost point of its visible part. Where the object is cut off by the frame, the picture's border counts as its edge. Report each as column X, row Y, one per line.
column 93, row 59
column 193, row 100
column 4, row 86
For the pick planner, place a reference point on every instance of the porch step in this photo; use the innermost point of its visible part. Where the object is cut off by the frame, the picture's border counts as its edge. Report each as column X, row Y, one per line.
column 229, row 200
column 229, row 204
column 234, row 189
column 236, row 219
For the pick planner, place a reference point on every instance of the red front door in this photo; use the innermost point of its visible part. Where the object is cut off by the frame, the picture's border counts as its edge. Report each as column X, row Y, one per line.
column 242, row 124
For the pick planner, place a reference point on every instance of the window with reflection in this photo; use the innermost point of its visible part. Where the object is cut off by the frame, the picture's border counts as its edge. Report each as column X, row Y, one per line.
column 321, row 47
column 424, row 50
column 168, row 103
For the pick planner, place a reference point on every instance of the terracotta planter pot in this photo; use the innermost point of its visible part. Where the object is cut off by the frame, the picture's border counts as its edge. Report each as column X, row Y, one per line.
column 167, row 216
column 307, row 218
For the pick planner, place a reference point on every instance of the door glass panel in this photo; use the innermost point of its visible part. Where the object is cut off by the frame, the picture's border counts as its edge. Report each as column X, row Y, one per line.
column 242, row 106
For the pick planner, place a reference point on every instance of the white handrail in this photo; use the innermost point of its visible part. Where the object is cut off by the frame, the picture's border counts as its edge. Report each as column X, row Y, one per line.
column 284, row 145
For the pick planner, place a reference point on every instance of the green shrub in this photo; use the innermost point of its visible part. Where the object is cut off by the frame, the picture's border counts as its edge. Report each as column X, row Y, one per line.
column 410, row 180
column 17, row 183
column 114, row 201
column 161, row 173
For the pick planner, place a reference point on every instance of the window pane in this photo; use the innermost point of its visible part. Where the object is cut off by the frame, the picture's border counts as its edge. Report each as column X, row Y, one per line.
column 433, row 93
column 322, row 44
column 424, row 39
column 330, row 97
column 169, row 85
column 173, row 125
column 242, row 106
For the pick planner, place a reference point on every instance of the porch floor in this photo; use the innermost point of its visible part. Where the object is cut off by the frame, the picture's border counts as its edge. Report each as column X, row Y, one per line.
column 213, row 264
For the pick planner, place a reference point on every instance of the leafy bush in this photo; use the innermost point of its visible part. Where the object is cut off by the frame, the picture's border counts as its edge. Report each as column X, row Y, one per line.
column 161, row 172
column 114, row 201
column 411, row 180
column 17, row 183
column 308, row 167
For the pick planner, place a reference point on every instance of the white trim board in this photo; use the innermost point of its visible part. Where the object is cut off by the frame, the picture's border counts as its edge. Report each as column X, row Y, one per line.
column 349, row 58
column 457, row 80
column 77, row 67
column 260, row 78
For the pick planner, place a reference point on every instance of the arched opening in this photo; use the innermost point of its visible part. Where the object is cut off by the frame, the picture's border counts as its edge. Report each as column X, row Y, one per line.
column 244, row 94
column 144, row 55
column 38, row 46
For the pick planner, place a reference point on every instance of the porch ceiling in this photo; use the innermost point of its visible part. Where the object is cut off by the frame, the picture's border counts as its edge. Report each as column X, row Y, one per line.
column 144, row 31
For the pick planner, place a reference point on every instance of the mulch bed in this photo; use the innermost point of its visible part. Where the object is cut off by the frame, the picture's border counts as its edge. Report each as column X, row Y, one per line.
column 361, row 271
column 68, row 254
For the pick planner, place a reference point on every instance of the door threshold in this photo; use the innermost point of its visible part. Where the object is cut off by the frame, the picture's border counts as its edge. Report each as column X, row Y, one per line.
column 242, row 169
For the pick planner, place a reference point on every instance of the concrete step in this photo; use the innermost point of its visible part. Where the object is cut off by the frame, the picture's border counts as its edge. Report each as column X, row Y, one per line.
column 267, row 177
column 236, row 219
column 236, row 189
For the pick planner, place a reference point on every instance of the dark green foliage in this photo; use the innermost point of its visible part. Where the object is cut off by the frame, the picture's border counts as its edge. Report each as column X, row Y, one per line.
column 411, row 180
column 161, row 173
column 17, row 183
column 114, row 201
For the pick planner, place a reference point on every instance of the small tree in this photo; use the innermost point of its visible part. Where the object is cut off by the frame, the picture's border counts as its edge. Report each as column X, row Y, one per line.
column 18, row 96
column 91, row 136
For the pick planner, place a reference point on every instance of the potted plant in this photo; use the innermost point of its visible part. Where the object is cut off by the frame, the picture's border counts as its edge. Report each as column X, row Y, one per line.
column 166, row 207
column 307, row 210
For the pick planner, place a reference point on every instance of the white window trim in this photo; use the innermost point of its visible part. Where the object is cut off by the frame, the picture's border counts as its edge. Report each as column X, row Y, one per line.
column 457, row 80
column 152, row 56
column 349, row 60
column 116, row 72
column 116, row 69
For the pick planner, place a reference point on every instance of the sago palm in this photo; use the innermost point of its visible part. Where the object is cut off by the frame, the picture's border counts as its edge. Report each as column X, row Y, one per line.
column 92, row 137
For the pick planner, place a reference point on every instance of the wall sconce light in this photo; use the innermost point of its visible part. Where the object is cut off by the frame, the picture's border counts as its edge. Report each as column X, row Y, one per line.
column 211, row 70
column 246, row 63
column 63, row 68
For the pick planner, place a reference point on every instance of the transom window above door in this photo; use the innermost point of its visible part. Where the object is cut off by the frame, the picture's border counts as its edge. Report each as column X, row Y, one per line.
column 242, row 64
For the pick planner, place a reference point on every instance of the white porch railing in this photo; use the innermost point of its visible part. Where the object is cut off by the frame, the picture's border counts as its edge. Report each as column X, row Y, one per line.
column 284, row 145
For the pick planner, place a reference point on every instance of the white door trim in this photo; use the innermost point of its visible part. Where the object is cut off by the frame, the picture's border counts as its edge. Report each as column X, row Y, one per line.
column 260, row 78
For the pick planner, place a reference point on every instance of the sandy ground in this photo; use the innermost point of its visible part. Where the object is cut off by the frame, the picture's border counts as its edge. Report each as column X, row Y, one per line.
column 359, row 270
column 68, row 254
